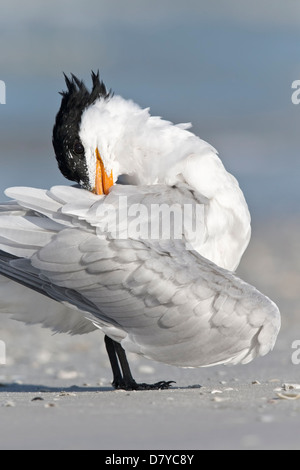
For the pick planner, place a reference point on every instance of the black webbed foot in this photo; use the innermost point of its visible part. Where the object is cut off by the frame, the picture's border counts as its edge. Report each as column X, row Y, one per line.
column 124, row 380
column 142, row 386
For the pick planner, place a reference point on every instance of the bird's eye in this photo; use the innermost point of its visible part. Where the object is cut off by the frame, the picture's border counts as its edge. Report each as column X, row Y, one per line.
column 78, row 148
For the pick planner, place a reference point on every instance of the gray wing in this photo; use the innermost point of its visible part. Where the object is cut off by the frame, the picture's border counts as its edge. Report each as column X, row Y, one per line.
column 157, row 297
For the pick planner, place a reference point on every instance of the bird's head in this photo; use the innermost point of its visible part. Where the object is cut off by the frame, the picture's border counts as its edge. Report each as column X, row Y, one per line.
column 76, row 147
column 98, row 137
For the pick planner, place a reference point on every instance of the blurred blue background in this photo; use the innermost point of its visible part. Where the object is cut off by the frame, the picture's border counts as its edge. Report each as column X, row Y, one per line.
column 226, row 66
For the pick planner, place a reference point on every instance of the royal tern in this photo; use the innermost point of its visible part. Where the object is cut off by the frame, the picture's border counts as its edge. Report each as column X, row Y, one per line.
column 172, row 298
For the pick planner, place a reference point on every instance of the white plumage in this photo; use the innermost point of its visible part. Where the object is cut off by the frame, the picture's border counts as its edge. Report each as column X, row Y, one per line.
column 153, row 151
column 172, row 300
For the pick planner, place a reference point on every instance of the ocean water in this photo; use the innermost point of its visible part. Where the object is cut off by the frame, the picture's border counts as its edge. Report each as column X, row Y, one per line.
column 228, row 71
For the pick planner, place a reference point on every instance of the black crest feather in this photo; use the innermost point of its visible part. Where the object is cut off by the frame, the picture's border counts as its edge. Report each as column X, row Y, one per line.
column 66, row 128
column 78, row 94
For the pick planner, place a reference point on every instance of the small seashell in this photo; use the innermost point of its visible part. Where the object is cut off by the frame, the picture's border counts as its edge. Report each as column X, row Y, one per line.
column 214, row 392
column 219, row 399
column 289, row 396
column 9, row 404
column 291, row 386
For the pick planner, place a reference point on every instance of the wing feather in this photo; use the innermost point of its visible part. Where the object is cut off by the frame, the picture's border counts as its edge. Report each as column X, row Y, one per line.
column 157, row 297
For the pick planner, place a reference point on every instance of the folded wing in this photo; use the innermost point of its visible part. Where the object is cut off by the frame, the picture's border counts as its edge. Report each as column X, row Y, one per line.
column 158, row 297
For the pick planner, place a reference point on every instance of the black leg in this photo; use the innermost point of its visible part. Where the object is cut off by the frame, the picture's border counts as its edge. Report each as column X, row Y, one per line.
column 110, row 348
column 116, row 354
column 127, row 376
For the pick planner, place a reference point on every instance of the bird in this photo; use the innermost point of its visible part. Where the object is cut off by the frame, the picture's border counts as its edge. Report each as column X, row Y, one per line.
column 143, row 246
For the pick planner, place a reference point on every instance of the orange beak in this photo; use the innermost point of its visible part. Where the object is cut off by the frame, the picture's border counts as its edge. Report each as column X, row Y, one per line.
column 103, row 181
